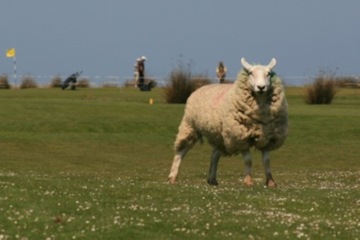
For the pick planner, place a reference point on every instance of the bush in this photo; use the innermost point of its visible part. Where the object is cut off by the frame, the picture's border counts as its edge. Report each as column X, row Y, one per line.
column 83, row 83
column 28, row 82
column 199, row 80
column 129, row 83
column 347, row 82
column 323, row 89
column 109, row 85
column 56, row 82
column 4, row 82
column 180, row 85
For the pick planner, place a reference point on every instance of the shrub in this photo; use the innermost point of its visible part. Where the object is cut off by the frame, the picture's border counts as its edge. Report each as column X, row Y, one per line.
column 347, row 82
column 83, row 83
column 28, row 82
column 322, row 90
column 56, row 82
column 4, row 82
column 109, row 85
column 180, row 85
column 200, row 80
column 129, row 83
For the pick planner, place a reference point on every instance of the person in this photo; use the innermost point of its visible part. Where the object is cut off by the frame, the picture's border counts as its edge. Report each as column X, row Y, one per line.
column 71, row 80
column 141, row 71
column 142, row 83
column 136, row 73
column 221, row 72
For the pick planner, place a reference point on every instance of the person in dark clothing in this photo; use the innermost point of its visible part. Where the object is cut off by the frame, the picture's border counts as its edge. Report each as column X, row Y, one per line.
column 141, row 71
column 141, row 74
column 71, row 80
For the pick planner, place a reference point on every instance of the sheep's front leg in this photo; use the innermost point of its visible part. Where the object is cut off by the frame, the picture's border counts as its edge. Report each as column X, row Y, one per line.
column 215, row 156
column 266, row 162
column 179, row 155
column 248, row 180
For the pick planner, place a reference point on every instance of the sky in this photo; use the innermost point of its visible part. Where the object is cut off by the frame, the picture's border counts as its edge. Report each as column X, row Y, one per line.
column 104, row 38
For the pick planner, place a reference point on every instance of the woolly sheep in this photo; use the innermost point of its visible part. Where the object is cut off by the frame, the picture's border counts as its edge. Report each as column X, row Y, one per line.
column 252, row 112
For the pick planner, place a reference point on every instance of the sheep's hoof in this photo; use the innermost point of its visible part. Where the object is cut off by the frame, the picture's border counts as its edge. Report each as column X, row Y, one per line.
column 271, row 184
column 270, row 181
column 248, row 180
column 172, row 180
column 212, row 182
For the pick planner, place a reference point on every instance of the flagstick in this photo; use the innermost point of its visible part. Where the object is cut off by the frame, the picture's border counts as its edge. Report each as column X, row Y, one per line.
column 14, row 60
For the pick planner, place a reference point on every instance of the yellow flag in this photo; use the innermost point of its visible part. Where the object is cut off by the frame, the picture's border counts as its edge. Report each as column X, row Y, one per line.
column 10, row 52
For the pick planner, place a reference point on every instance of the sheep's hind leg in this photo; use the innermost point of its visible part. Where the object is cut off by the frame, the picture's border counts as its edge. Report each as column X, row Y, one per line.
column 185, row 140
column 248, row 180
column 179, row 155
column 266, row 162
column 215, row 156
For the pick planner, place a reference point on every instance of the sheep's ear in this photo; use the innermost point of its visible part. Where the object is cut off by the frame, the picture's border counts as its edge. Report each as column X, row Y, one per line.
column 246, row 65
column 272, row 63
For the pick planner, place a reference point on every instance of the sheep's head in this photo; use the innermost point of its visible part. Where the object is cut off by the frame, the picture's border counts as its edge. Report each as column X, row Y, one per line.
column 259, row 75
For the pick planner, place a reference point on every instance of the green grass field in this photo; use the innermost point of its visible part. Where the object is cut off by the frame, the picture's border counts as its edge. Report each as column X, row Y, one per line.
column 93, row 164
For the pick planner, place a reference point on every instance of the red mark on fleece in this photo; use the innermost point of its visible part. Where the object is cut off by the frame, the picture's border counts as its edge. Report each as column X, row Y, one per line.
column 218, row 98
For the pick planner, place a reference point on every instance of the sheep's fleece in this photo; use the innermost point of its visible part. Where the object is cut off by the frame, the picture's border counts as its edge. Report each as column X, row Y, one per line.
column 252, row 112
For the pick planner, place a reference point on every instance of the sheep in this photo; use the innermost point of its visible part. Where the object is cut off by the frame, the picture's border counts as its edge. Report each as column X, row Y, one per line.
column 251, row 112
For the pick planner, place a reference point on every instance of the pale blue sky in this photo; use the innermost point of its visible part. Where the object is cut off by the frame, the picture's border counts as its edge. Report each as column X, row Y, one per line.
column 103, row 38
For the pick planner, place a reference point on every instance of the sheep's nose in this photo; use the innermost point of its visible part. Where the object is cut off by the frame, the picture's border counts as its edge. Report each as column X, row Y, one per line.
column 261, row 88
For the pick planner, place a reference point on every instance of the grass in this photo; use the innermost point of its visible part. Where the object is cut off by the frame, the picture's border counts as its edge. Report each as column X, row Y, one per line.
column 93, row 164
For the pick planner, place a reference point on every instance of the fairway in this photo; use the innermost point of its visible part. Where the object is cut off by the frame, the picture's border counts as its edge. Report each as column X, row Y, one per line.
column 93, row 164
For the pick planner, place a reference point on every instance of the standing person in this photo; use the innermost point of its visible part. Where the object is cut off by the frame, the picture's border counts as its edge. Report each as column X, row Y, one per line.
column 141, row 72
column 136, row 72
column 221, row 72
